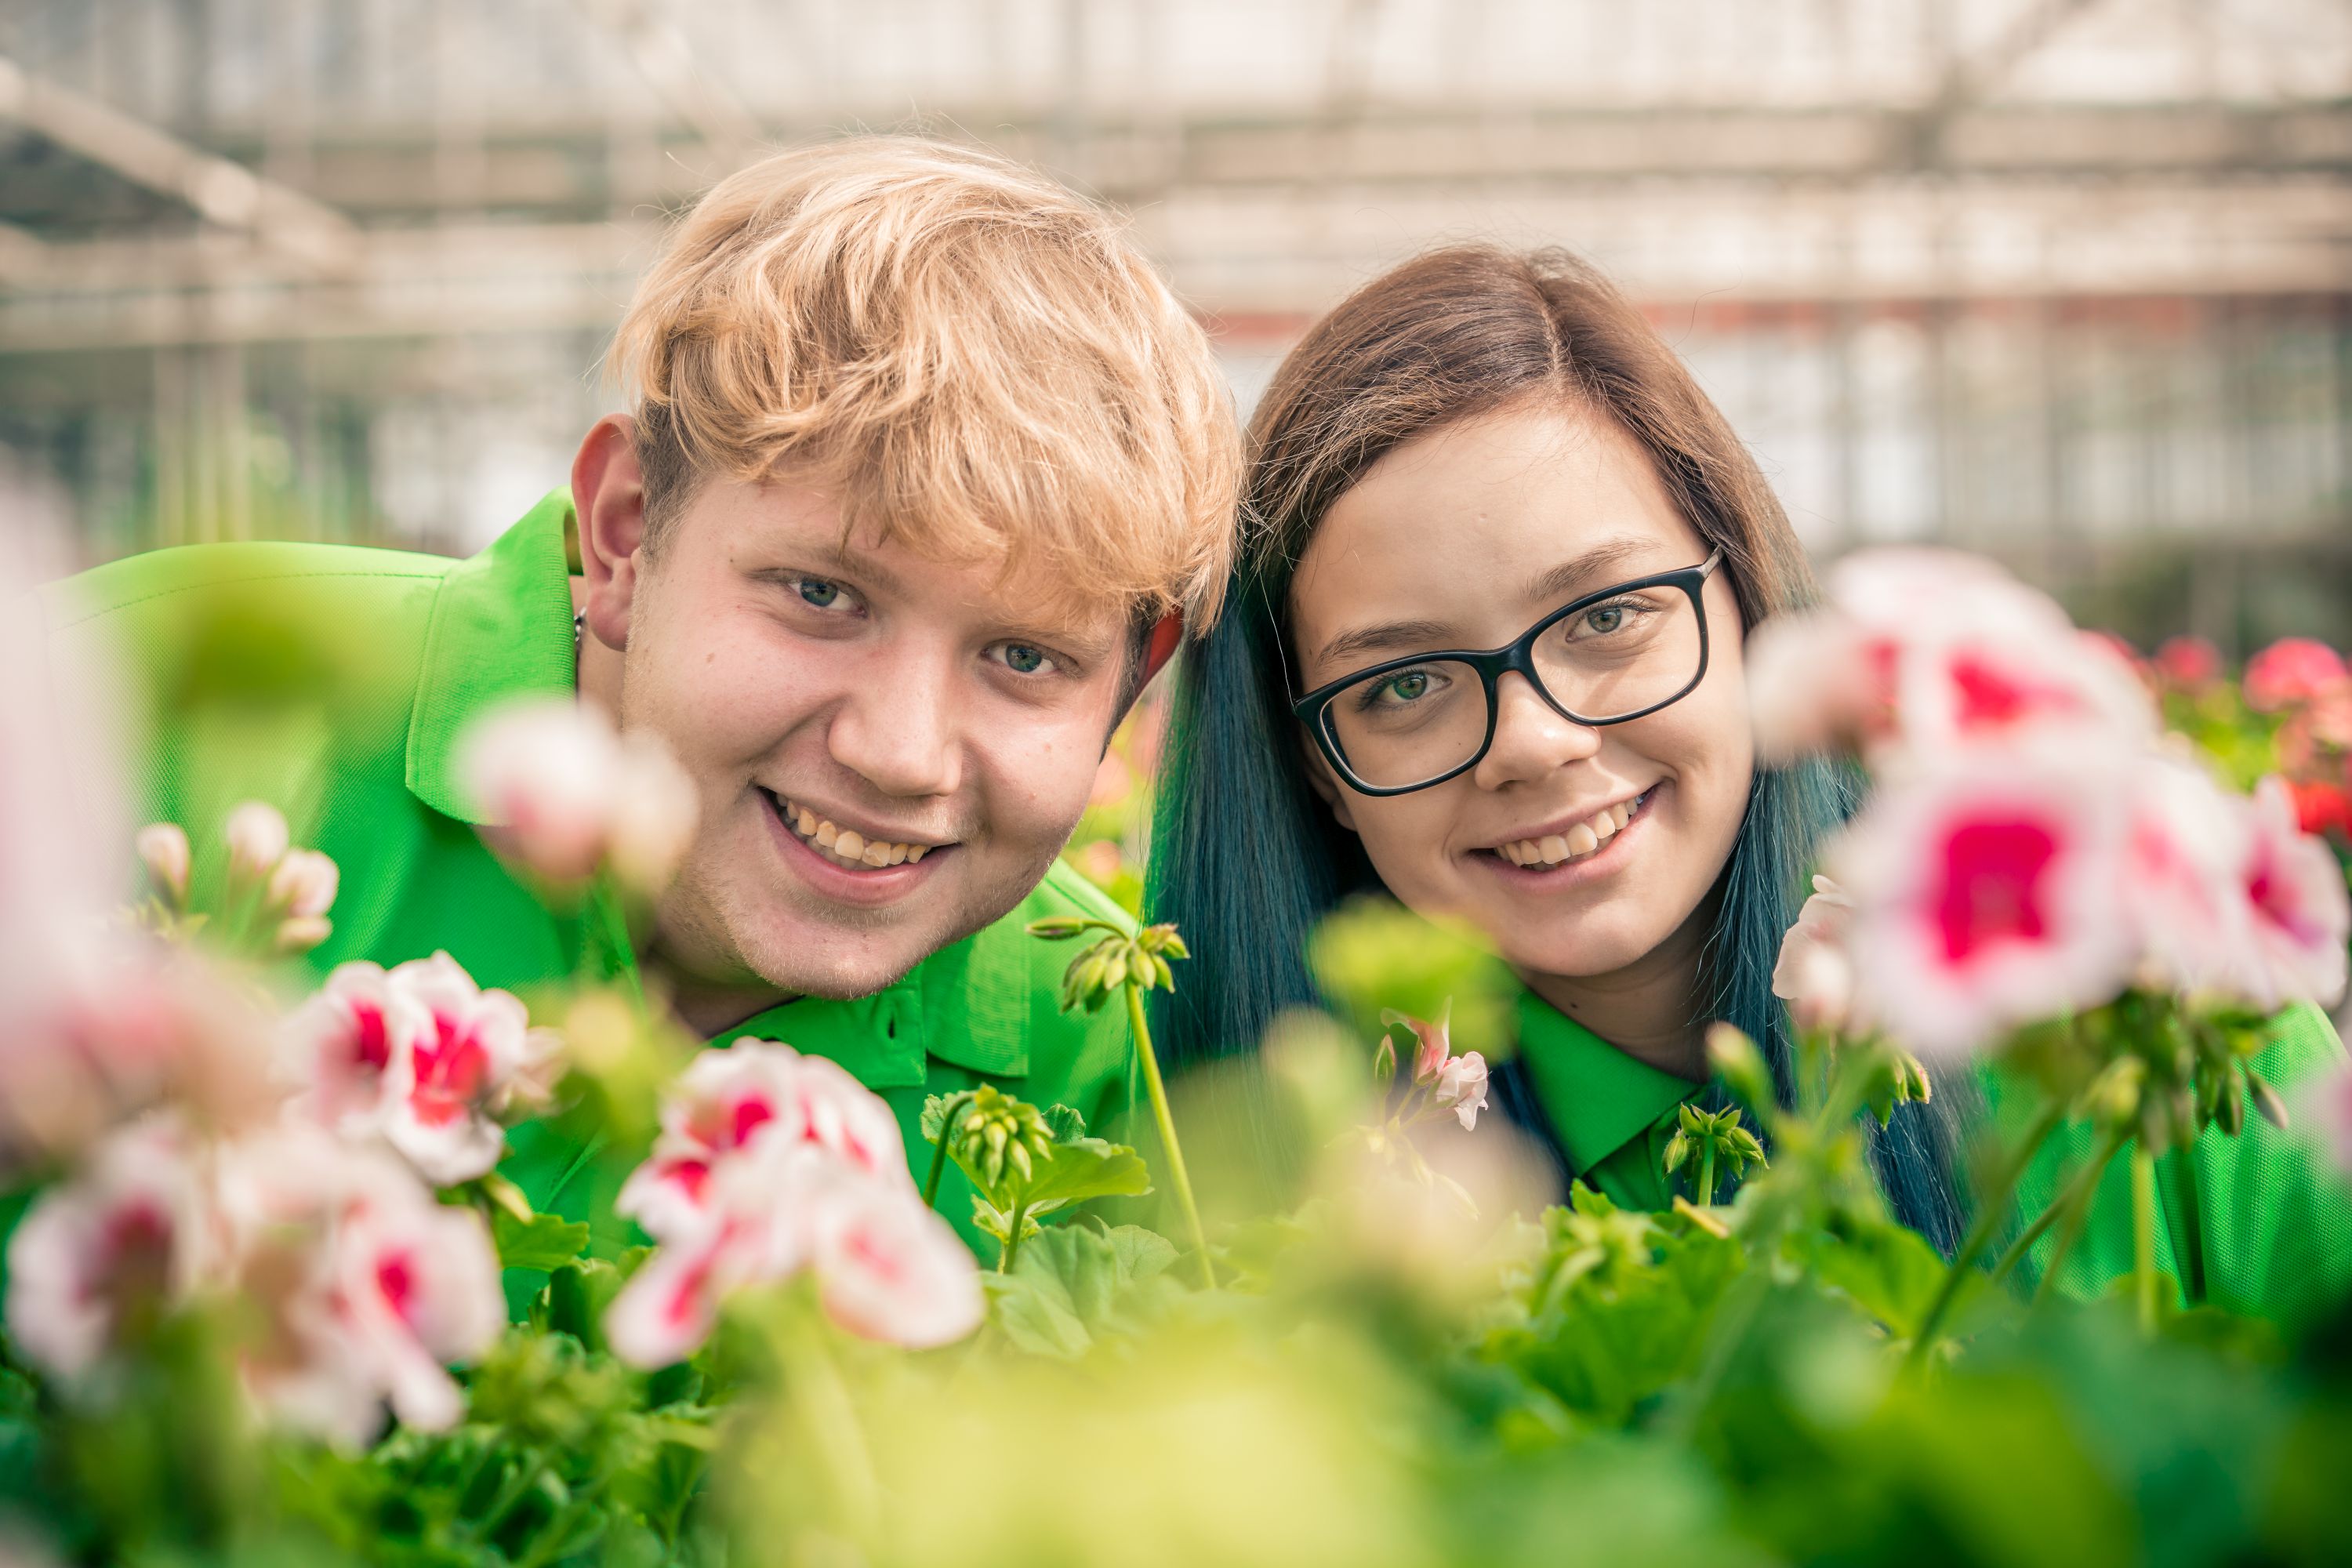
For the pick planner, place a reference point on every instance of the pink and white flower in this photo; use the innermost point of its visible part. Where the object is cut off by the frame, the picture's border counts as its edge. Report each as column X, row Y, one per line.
column 770, row 1163
column 890, row 1269
column 751, row 1091
column 2301, row 913
column 2186, row 839
column 1462, row 1084
column 1986, row 896
column 1921, row 652
column 366, row 1286
column 1816, row 972
column 98, row 1258
column 443, row 1095
column 565, row 792
column 338, row 1048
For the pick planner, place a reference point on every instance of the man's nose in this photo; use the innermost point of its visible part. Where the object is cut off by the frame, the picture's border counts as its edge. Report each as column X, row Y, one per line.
column 897, row 728
column 1531, row 737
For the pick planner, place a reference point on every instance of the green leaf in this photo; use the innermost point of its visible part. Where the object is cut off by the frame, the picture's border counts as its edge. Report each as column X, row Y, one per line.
column 1077, row 1285
column 1086, row 1168
column 1886, row 1269
column 543, row 1241
column 1066, row 1124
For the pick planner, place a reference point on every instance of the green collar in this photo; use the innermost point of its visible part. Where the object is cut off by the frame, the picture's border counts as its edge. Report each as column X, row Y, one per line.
column 501, row 628
column 1599, row 1098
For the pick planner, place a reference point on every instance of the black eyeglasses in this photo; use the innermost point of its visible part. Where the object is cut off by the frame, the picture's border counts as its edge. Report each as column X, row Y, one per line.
column 1606, row 659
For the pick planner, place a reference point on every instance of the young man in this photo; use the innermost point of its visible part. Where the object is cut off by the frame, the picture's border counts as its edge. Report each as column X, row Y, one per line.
column 925, row 468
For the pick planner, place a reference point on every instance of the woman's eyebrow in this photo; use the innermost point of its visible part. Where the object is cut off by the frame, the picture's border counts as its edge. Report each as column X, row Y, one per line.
column 1602, row 561
column 1385, row 635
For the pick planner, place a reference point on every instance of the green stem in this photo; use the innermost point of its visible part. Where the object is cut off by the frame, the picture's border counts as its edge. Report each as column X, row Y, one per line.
column 2143, row 1190
column 1182, row 1183
column 2068, row 1198
column 1992, row 1212
column 1707, row 1175
column 2072, row 1223
column 939, row 1148
column 1011, row 1239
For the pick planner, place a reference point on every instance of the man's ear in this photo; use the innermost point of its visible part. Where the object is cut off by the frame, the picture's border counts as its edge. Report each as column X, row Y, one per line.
column 608, row 496
column 1327, row 785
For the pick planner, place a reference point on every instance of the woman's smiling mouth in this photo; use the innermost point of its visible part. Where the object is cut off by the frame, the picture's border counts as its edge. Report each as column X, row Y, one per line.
column 1575, row 842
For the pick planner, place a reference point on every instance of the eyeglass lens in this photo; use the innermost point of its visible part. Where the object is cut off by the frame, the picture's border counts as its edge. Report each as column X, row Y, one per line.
column 1616, row 657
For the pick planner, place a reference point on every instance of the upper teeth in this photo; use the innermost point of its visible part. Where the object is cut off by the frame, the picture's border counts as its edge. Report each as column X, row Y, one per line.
column 848, row 845
column 1579, row 840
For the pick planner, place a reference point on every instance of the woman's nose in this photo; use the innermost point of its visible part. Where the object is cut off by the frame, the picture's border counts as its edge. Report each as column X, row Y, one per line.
column 1531, row 738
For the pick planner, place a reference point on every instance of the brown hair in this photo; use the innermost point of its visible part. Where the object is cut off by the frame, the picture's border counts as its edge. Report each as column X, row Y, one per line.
column 1465, row 331
column 978, row 362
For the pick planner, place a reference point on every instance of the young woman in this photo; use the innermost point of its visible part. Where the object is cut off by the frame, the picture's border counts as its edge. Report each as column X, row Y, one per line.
column 1484, row 652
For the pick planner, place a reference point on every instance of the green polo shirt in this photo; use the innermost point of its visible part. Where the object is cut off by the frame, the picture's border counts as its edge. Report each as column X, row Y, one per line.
column 2257, row 1222
column 360, row 758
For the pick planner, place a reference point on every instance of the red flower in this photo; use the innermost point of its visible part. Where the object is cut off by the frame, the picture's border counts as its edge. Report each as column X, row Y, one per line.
column 2321, row 807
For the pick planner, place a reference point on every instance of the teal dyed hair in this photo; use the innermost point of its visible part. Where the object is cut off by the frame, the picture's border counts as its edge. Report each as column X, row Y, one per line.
column 1245, row 857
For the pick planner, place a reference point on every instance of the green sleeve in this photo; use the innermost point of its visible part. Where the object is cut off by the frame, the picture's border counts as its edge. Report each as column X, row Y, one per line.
column 2258, row 1224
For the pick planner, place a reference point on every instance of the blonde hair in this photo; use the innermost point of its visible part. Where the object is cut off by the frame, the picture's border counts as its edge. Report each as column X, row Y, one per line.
column 978, row 362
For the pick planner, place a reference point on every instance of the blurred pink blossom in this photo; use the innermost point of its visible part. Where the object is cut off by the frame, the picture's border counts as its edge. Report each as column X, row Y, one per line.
column 565, row 792
column 2187, row 662
column 257, row 839
column 2291, row 670
column 890, row 1269
column 162, row 848
column 2301, row 913
column 2185, row 842
column 1985, row 895
column 1920, row 652
column 366, row 1286
column 2324, row 1107
column 100, row 1258
column 304, row 884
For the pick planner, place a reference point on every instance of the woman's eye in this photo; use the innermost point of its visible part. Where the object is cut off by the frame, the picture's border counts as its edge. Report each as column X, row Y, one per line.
column 1396, row 690
column 819, row 593
column 1606, row 619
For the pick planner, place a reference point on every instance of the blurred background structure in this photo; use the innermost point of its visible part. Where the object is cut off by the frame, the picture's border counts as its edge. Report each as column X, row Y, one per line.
column 2065, row 281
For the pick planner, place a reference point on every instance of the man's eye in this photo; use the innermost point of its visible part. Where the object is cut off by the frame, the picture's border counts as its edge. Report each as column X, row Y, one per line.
column 1023, row 659
column 817, row 591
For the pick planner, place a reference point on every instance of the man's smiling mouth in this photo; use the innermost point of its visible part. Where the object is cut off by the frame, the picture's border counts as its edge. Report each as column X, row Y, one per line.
column 847, row 847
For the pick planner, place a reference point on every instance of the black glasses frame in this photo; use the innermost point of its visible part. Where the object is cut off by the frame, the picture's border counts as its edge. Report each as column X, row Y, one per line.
column 1491, row 664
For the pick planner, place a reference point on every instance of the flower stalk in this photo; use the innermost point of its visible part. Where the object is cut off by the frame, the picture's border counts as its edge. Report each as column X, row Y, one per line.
column 1134, row 964
column 1992, row 1212
column 2143, row 1191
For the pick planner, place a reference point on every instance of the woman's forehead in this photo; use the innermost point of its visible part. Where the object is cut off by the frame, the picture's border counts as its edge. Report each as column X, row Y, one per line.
column 1485, row 517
